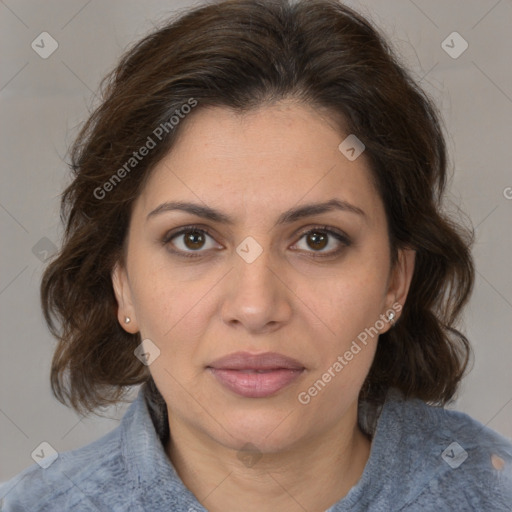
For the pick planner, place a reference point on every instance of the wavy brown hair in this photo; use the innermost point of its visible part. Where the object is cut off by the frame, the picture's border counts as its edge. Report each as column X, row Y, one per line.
column 244, row 54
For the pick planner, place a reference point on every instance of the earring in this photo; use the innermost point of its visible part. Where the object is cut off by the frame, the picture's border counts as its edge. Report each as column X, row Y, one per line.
column 391, row 317
column 127, row 319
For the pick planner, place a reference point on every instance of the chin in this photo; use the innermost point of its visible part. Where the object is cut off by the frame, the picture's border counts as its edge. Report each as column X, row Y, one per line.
column 270, row 430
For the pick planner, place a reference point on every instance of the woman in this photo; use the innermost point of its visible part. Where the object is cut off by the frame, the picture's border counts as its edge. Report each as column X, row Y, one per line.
column 254, row 234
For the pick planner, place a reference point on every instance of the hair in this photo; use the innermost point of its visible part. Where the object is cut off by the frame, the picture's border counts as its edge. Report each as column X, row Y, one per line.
column 242, row 55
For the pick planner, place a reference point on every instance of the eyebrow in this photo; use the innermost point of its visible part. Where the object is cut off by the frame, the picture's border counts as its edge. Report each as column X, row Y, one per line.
column 287, row 217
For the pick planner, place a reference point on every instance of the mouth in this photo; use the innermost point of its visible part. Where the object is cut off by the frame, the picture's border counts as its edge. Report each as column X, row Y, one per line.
column 256, row 375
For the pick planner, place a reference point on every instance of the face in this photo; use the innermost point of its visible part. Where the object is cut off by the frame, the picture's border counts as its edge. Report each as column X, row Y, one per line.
column 261, row 274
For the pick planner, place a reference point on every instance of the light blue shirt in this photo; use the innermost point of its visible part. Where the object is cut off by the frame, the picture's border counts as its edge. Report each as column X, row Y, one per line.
column 422, row 458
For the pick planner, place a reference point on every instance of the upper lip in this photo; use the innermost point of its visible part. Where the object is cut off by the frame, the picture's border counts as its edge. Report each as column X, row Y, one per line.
column 247, row 361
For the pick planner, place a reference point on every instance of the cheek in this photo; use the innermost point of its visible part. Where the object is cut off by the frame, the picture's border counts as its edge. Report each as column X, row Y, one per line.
column 350, row 307
column 171, row 310
column 350, row 302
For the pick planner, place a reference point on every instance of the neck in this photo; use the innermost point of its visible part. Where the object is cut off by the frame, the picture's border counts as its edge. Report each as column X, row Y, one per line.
column 311, row 475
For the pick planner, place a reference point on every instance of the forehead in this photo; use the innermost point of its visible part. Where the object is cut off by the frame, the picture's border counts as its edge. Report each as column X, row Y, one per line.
column 271, row 158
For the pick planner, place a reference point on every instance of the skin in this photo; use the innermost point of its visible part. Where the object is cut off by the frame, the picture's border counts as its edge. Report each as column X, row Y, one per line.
column 253, row 167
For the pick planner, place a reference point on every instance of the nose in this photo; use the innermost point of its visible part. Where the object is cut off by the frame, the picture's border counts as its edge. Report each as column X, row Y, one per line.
column 257, row 296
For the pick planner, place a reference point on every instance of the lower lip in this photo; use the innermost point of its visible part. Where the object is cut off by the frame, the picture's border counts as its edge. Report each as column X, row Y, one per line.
column 255, row 385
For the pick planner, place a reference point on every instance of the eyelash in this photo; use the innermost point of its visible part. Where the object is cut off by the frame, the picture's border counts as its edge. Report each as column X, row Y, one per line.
column 341, row 237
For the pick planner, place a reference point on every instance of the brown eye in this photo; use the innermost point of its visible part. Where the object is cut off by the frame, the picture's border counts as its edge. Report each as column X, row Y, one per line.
column 189, row 240
column 317, row 240
column 194, row 240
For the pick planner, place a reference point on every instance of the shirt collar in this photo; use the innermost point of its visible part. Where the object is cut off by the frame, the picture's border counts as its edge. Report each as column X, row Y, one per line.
column 152, row 474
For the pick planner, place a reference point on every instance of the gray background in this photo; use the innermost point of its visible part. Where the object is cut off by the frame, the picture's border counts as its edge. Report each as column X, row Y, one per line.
column 43, row 101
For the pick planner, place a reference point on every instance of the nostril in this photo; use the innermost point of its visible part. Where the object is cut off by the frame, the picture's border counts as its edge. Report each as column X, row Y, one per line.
column 497, row 462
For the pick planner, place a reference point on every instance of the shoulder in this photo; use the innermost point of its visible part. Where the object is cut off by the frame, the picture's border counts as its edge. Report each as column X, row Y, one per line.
column 459, row 461
column 72, row 480
column 127, row 469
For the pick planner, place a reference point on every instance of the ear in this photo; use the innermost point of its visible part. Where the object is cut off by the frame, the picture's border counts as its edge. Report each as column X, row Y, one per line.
column 123, row 295
column 399, row 283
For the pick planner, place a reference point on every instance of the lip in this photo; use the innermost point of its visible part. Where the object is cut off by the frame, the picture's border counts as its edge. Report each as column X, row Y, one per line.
column 256, row 375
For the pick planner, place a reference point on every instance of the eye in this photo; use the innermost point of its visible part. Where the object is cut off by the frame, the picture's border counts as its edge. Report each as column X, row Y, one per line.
column 189, row 240
column 320, row 238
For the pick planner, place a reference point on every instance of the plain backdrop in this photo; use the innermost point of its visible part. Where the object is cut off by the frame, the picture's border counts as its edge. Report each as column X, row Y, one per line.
column 43, row 102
